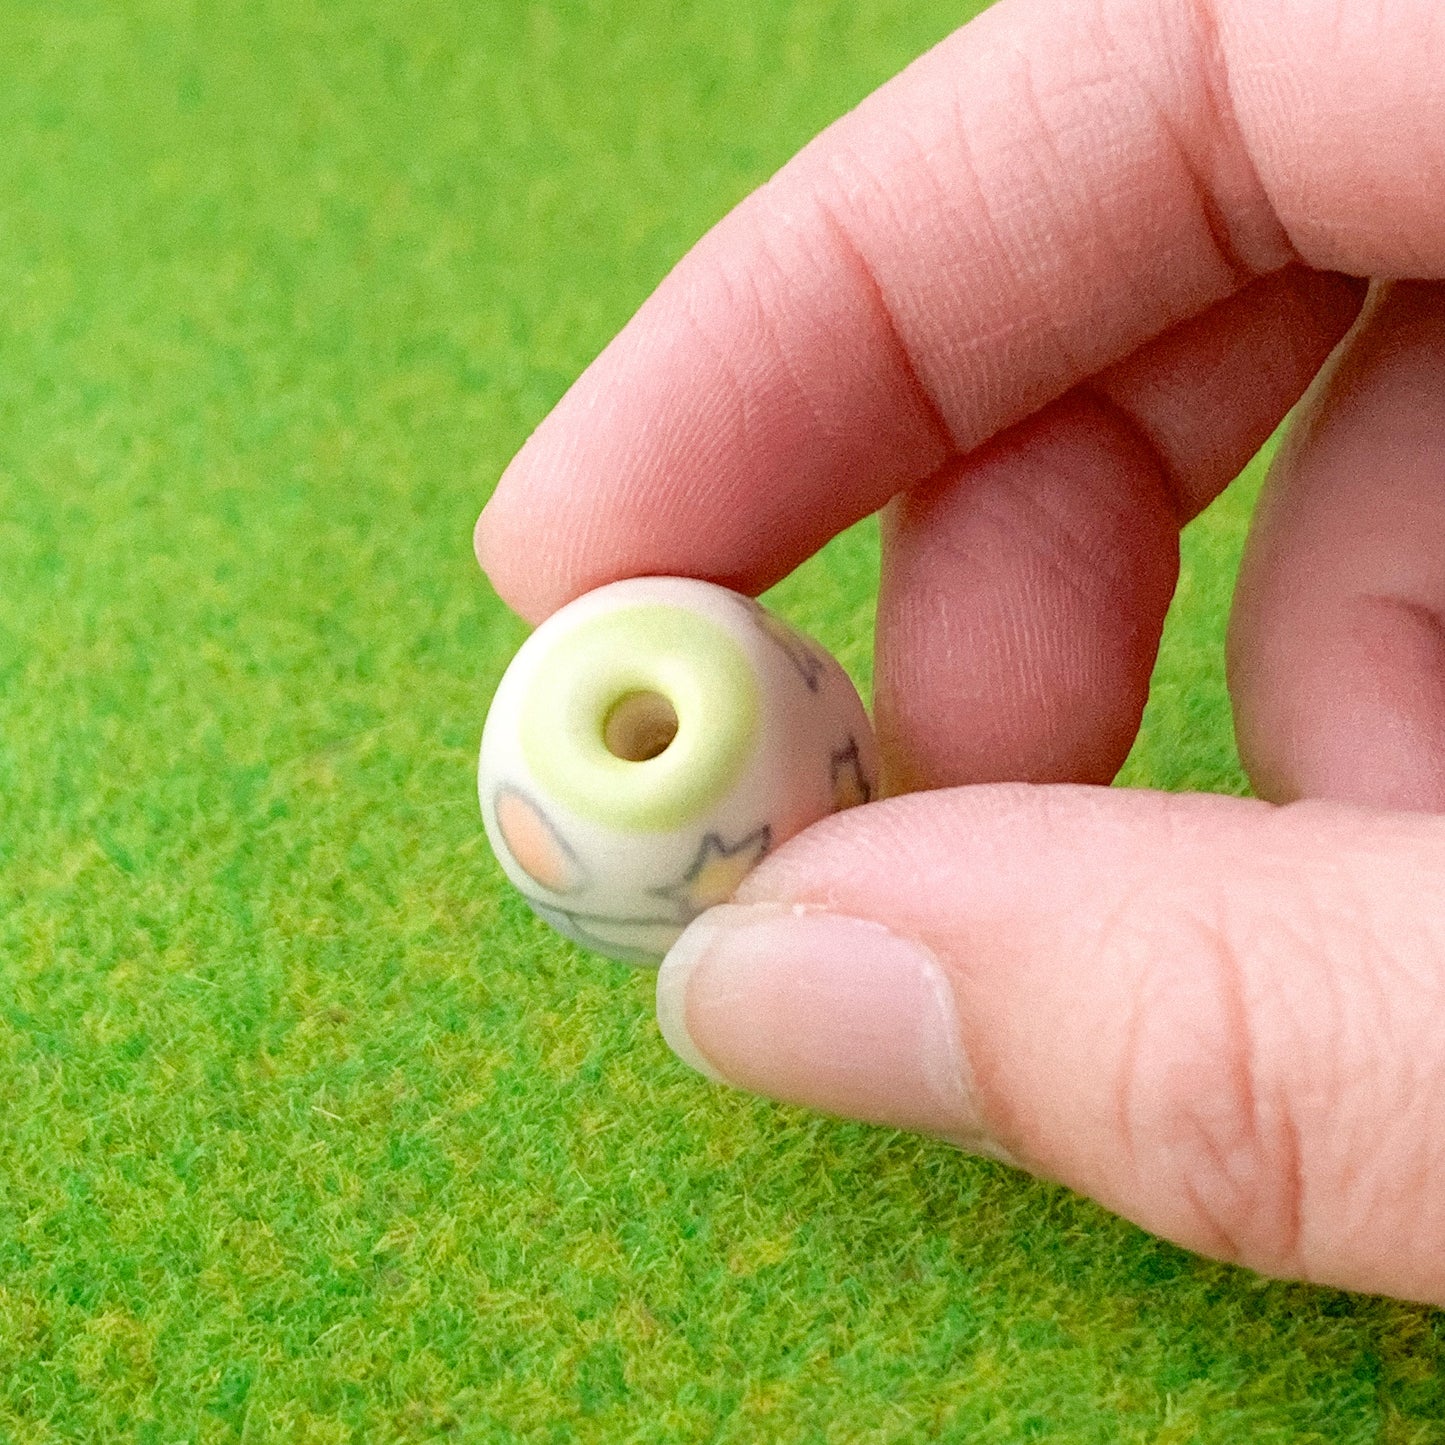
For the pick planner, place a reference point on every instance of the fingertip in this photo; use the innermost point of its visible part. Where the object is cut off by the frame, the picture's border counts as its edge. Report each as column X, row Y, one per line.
column 480, row 541
column 1336, row 647
column 821, row 1009
column 502, row 552
column 1359, row 718
column 673, row 978
column 1022, row 597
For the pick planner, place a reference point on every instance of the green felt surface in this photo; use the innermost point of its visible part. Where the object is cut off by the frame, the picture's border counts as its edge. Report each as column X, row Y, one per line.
column 310, row 1132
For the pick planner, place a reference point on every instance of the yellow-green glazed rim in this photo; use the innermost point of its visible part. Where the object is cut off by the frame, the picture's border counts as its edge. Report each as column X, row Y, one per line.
column 693, row 663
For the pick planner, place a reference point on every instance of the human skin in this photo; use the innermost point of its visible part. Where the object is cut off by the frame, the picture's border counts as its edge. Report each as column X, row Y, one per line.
column 1041, row 296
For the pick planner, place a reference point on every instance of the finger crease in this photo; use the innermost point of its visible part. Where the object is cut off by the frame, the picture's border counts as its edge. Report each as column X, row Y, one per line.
column 871, row 287
column 1280, row 1130
column 1174, row 483
column 1214, row 69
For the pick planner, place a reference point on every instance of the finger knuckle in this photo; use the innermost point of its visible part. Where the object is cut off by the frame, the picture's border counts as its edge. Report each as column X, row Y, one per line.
column 1204, row 1113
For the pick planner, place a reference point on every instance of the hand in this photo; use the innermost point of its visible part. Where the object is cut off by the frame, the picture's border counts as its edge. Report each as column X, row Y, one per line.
column 1047, row 291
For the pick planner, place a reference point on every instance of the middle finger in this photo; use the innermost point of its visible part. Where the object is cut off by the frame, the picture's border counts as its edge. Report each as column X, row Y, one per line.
column 1025, row 589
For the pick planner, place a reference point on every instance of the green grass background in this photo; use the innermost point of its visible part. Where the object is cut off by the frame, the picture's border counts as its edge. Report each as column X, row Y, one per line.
column 309, row 1132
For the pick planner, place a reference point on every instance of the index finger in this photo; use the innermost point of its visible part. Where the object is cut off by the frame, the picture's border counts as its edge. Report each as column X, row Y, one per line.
column 1030, row 202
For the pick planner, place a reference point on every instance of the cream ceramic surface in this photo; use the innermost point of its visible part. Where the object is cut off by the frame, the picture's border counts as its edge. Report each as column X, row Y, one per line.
column 649, row 744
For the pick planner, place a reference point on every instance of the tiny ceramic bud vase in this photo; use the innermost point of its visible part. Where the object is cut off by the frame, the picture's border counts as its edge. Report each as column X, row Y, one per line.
column 649, row 744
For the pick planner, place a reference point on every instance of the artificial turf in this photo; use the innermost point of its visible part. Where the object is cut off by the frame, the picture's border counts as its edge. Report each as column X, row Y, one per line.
column 310, row 1133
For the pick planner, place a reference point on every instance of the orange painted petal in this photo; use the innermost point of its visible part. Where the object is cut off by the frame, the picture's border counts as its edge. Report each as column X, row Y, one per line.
column 539, row 849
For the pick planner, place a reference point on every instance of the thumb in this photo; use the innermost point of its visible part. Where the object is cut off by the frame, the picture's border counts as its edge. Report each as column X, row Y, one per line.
column 1222, row 1019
